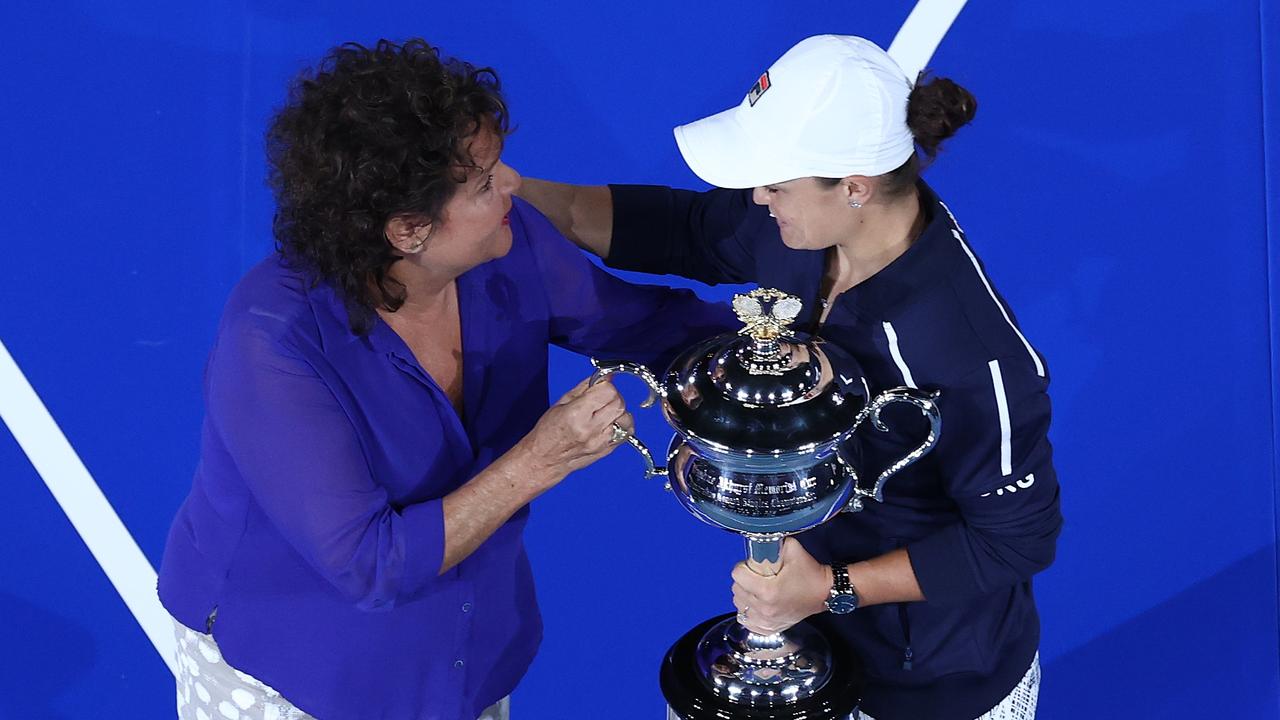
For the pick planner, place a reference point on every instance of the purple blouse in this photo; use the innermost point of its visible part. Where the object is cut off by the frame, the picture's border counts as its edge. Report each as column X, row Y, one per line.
column 315, row 524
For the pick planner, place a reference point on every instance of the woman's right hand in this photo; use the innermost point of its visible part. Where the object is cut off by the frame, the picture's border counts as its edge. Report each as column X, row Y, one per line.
column 577, row 430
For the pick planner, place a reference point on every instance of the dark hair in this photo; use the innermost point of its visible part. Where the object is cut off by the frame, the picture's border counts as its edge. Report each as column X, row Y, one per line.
column 936, row 109
column 368, row 135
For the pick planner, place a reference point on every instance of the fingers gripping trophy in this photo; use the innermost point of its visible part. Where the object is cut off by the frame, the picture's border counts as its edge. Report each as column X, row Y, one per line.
column 762, row 431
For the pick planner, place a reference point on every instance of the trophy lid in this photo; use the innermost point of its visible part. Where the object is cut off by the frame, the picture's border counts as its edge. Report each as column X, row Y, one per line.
column 763, row 389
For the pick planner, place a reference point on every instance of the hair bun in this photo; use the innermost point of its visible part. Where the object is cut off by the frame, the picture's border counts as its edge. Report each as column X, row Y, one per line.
column 936, row 109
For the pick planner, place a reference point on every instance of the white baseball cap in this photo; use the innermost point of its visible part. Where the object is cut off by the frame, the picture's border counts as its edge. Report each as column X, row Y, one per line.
column 832, row 106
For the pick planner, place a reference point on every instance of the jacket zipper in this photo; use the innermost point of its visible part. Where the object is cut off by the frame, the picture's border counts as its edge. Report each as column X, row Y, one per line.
column 907, row 656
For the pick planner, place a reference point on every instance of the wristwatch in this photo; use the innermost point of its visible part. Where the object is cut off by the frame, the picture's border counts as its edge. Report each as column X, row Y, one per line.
column 843, row 599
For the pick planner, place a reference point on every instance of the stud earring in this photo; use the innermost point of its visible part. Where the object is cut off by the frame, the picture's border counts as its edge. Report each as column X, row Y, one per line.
column 855, row 204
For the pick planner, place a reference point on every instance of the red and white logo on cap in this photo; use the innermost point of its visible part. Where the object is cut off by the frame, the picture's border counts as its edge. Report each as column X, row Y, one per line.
column 758, row 89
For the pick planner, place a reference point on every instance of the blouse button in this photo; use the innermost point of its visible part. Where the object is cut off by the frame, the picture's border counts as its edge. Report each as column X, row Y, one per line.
column 466, row 607
column 457, row 663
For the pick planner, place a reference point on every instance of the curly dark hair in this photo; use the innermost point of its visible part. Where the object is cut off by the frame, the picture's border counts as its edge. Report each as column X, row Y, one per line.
column 368, row 135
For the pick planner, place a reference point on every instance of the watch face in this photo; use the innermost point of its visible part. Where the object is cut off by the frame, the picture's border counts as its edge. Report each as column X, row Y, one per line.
column 842, row 604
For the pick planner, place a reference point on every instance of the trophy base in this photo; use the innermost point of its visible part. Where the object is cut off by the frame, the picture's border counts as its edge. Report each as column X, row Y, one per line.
column 690, row 697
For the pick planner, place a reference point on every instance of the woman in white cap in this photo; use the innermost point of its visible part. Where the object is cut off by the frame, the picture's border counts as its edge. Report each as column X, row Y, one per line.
column 819, row 194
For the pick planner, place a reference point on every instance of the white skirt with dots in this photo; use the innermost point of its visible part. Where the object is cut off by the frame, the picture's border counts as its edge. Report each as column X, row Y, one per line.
column 210, row 689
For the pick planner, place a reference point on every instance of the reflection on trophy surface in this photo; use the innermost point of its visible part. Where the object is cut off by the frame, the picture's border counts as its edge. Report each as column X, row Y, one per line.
column 761, row 448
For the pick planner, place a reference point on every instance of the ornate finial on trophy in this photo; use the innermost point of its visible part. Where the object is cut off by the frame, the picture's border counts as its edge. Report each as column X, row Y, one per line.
column 761, row 325
column 765, row 327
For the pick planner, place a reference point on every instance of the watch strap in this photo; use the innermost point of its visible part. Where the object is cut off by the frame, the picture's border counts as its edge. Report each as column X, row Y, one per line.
column 840, row 580
column 843, row 598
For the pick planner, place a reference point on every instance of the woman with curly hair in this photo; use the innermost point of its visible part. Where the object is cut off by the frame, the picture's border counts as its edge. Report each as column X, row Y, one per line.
column 377, row 416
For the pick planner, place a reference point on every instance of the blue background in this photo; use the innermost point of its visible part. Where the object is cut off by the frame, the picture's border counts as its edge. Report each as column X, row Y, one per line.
column 1120, row 182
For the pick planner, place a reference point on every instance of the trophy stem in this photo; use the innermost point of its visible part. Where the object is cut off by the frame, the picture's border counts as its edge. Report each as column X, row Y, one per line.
column 764, row 557
column 764, row 553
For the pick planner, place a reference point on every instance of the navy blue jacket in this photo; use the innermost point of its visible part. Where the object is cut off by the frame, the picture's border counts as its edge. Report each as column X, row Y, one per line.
column 979, row 516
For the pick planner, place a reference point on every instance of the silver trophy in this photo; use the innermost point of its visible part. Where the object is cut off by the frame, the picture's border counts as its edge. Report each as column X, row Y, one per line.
column 762, row 431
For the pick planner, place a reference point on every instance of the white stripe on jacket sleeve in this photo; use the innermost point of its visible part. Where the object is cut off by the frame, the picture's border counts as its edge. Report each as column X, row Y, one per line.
column 1002, row 407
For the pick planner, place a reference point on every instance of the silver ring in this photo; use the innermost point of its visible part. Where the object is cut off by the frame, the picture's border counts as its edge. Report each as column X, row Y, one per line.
column 618, row 434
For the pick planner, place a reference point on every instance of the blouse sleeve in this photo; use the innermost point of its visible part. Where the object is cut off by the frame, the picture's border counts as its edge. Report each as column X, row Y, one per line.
column 997, row 467
column 706, row 236
column 300, row 457
column 594, row 313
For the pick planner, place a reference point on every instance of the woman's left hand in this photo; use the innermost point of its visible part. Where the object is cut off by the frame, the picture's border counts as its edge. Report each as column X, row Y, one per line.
column 769, row 604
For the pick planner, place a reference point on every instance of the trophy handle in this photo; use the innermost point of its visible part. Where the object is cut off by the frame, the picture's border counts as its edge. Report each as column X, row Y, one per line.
column 926, row 401
column 605, row 368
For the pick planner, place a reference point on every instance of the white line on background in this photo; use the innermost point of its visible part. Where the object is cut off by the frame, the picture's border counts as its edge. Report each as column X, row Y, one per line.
column 85, row 505
column 920, row 35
